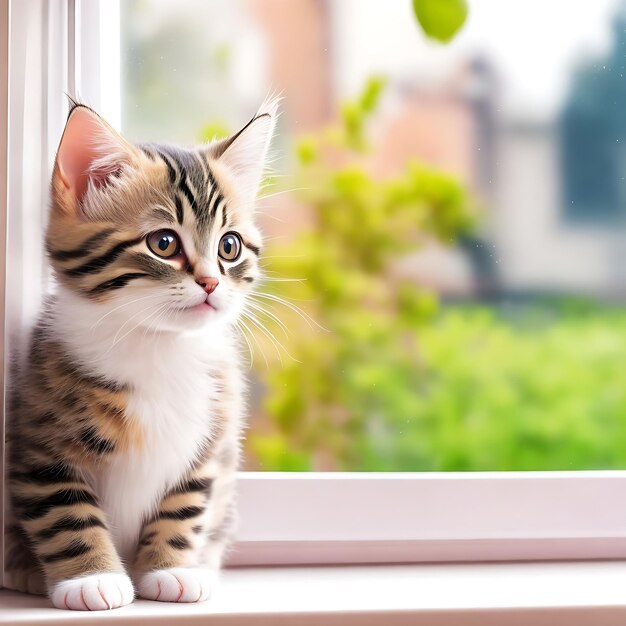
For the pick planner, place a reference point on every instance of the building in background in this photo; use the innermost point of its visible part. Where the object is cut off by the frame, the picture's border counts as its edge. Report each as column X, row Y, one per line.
column 551, row 187
column 536, row 237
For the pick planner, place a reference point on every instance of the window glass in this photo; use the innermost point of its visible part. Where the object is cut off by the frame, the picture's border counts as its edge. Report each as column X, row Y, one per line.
column 445, row 225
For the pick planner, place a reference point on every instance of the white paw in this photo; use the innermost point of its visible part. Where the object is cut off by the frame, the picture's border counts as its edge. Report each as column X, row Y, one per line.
column 97, row 592
column 177, row 584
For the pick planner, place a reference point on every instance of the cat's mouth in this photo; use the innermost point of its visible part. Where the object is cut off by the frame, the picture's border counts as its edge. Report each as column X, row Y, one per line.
column 205, row 306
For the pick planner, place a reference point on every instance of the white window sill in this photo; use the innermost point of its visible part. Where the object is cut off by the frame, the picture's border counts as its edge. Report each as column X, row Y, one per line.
column 572, row 593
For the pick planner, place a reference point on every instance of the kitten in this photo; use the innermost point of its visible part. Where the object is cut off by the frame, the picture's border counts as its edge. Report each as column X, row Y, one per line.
column 124, row 437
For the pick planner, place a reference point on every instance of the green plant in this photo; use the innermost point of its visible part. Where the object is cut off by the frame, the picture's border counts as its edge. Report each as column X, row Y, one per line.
column 538, row 390
column 361, row 377
column 440, row 19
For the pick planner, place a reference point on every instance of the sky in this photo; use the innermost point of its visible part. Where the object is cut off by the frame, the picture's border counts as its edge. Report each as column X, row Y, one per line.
column 533, row 45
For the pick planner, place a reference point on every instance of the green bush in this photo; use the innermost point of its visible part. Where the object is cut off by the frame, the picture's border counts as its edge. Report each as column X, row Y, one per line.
column 537, row 392
column 483, row 392
column 345, row 385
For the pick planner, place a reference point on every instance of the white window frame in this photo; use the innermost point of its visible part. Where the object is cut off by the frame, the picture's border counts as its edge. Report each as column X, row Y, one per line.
column 286, row 518
column 326, row 518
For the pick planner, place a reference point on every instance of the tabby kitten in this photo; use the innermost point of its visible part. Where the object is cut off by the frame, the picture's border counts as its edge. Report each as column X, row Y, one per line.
column 124, row 437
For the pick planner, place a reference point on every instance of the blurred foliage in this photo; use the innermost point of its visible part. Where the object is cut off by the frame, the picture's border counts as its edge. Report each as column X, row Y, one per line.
column 397, row 383
column 343, row 398
column 539, row 390
column 440, row 19
column 216, row 129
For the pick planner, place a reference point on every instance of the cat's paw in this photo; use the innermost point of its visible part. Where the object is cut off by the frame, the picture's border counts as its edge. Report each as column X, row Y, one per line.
column 177, row 584
column 98, row 592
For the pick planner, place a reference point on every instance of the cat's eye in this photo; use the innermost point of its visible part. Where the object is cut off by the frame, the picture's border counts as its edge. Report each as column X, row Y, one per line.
column 164, row 243
column 230, row 247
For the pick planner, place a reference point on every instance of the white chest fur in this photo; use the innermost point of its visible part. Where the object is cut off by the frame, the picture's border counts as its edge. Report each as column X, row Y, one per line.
column 171, row 387
column 172, row 407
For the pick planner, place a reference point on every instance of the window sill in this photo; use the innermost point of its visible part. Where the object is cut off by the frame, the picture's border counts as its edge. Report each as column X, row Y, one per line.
column 570, row 593
column 428, row 517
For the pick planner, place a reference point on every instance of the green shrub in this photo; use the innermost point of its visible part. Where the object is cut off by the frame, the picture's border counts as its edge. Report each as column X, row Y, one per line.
column 351, row 383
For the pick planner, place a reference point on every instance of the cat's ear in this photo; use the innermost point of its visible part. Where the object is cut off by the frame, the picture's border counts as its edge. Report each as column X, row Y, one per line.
column 245, row 152
column 90, row 152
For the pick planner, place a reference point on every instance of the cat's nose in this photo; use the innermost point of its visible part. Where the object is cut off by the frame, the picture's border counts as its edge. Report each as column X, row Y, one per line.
column 209, row 284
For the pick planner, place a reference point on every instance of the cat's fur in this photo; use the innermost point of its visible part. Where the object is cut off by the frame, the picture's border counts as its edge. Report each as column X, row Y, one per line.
column 124, row 435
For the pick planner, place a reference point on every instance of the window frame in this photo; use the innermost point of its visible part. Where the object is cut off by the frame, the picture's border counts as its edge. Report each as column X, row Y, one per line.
column 286, row 518
column 341, row 518
column 4, row 154
column 47, row 49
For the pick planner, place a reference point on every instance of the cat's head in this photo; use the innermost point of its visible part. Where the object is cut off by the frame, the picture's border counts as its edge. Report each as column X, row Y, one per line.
column 161, row 235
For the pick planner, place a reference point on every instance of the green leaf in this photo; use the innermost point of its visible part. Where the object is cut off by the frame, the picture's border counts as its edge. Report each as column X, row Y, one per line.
column 306, row 150
column 370, row 96
column 441, row 19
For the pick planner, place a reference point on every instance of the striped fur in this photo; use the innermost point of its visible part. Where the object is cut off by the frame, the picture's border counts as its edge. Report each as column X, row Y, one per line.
column 124, row 428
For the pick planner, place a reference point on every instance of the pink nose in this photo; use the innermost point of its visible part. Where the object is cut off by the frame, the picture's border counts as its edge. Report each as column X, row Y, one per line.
column 208, row 284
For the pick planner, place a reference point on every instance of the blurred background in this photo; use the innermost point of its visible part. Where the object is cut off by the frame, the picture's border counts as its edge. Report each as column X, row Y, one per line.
column 445, row 225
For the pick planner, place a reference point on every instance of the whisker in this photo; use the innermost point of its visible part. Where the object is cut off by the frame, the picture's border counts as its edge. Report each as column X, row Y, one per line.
column 145, row 319
column 158, row 318
column 245, row 338
column 271, row 279
column 274, row 218
column 277, row 238
column 305, row 316
column 283, row 191
column 169, row 312
column 256, row 341
column 277, row 344
column 131, row 318
column 155, row 295
column 258, row 307
column 262, row 328
column 263, row 293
